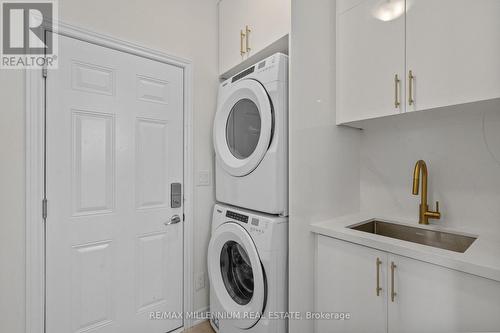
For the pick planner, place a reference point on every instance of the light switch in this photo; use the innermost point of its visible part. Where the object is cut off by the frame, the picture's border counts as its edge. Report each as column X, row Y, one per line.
column 204, row 178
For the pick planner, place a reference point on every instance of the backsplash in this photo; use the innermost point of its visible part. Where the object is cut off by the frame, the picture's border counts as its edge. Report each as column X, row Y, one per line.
column 461, row 146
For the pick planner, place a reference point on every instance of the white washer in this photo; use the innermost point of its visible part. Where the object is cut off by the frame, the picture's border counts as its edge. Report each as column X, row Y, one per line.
column 251, row 138
column 247, row 268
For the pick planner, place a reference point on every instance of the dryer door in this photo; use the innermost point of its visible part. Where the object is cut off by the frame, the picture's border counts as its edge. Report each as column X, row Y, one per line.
column 243, row 127
column 236, row 274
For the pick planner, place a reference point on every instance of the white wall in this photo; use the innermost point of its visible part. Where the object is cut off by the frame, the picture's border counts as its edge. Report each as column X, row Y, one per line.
column 461, row 146
column 324, row 158
column 186, row 28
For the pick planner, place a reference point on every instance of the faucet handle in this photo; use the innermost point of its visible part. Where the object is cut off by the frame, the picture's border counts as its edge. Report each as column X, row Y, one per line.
column 433, row 214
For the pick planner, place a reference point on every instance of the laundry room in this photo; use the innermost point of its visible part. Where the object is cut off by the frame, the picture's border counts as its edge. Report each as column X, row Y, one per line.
column 257, row 166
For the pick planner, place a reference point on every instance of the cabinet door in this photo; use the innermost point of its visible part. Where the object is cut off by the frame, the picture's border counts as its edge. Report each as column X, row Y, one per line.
column 453, row 49
column 431, row 298
column 232, row 17
column 268, row 22
column 346, row 281
column 370, row 52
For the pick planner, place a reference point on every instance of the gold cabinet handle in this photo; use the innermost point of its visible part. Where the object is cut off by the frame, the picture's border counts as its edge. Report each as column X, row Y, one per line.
column 247, row 34
column 411, row 79
column 393, row 293
column 378, row 288
column 396, row 91
column 242, row 40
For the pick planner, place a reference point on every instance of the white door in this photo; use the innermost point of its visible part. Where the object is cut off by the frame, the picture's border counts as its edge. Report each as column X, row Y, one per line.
column 114, row 147
column 346, row 281
column 370, row 53
column 432, row 299
column 453, row 49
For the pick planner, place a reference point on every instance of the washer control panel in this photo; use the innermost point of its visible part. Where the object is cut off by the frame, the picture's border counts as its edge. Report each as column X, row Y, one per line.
column 237, row 217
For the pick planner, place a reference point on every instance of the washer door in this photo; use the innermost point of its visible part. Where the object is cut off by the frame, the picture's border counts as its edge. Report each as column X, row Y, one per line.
column 243, row 127
column 236, row 274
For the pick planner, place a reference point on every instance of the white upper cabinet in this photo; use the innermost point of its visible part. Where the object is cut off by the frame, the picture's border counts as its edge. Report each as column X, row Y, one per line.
column 453, row 50
column 248, row 26
column 444, row 52
column 370, row 61
column 233, row 15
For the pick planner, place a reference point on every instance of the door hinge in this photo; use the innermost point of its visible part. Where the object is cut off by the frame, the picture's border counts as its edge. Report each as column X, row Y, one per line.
column 44, row 209
column 183, row 217
column 44, row 72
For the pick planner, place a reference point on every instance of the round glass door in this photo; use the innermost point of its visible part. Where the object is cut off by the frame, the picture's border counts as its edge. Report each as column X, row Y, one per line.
column 243, row 129
column 237, row 272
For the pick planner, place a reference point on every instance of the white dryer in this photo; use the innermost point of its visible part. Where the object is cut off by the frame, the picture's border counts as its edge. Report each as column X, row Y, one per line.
column 251, row 138
column 247, row 268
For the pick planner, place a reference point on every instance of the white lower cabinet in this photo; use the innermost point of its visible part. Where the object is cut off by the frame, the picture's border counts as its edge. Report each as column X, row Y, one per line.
column 346, row 277
column 431, row 298
column 415, row 297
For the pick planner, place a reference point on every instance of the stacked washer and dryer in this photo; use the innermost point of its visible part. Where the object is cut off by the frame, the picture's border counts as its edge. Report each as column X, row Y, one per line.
column 248, row 250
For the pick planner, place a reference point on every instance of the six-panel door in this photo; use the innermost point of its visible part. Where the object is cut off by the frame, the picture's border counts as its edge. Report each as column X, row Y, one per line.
column 346, row 282
column 114, row 146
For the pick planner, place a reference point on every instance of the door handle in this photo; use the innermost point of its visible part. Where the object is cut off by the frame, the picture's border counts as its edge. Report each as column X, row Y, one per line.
column 378, row 288
column 247, row 34
column 242, row 38
column 396, row 91
column 173, row 220
column 393, row 293
column 411, row 79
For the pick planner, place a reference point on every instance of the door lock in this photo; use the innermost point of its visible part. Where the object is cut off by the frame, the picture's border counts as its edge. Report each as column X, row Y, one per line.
column 175, row 195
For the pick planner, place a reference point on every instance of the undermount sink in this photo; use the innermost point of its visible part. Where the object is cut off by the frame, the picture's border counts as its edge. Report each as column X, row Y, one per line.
column 439, row 239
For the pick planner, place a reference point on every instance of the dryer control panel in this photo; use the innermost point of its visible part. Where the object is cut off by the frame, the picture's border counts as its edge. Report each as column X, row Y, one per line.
column 273, row 68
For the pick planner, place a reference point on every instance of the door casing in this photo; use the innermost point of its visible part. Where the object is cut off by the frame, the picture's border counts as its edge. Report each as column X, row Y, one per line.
column 35, row 173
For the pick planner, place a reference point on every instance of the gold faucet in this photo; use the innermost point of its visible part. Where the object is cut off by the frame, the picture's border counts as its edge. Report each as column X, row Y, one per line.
column 425, row 214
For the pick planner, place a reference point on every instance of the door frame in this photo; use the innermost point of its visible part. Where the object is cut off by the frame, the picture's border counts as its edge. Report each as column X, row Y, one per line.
column 35, row 173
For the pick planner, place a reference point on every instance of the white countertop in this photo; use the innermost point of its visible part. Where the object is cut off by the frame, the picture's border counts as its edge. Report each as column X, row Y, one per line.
column 482, row 258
